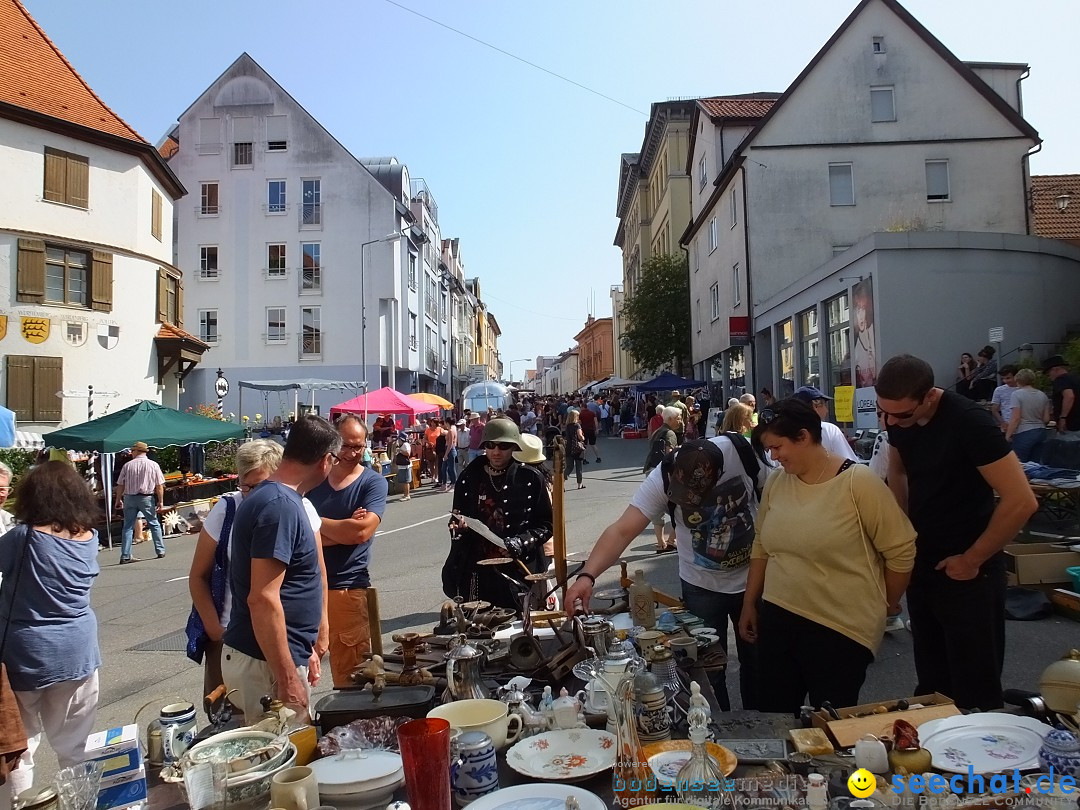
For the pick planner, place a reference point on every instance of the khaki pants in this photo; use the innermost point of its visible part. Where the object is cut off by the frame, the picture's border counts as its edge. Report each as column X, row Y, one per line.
column 252, row 678
column 350, row 633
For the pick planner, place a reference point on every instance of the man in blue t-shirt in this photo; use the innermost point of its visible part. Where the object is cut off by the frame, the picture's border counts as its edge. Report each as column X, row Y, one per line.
column 351, row 502
column 278, row 579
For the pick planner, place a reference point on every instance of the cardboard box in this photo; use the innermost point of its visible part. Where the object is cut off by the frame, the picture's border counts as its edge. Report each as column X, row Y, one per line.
column 1040, row 563
column 116, row 765
column 851, row 727
column 122, row 790
column 112, row 741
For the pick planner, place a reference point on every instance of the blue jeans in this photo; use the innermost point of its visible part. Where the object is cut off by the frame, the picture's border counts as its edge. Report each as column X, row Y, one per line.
column 449, row 469
column 134, row 505
column 1028, row 445
column 716, row 609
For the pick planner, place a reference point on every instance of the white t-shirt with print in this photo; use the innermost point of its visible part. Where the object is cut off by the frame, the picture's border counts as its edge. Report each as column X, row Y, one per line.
column 215, row 521
column 834, row 440
column 714, row 541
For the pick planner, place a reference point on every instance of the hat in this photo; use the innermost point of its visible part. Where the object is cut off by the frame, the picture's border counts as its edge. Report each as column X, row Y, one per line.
column 461, row 423
column 808, row 394
column 473, row 416
column 697, row 467
column 676, row 393
column 501, row 430
column 403, row 436
column 532, row 450
column 140, row 447
column 1053, row 361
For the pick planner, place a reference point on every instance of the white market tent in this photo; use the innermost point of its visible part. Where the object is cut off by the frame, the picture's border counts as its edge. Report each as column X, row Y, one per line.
column 296, row 386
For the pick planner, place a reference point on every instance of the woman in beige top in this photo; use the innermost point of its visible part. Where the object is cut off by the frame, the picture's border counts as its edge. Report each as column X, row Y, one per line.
column 833, row 553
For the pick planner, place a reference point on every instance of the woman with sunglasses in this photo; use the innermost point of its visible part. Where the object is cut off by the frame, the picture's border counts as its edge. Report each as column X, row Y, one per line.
column 831, row 558
column 510, row 498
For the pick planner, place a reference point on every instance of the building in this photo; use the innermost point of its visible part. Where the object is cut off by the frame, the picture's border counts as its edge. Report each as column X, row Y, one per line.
column 880, row 206
column 595, row 351
column 622, row 359
column 462, row 316
column 561, row 377
column 492, row 358
column 90, row 295
column 1055, row 207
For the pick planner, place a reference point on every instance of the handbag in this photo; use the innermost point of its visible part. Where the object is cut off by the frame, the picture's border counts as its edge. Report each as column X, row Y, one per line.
column 219, row 581
column 12, row 730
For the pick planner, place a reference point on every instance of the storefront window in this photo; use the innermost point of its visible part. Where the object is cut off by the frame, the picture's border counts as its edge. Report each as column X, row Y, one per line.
column 785, row 342
column 839, row 319
column 736, row 368
column 810, row 356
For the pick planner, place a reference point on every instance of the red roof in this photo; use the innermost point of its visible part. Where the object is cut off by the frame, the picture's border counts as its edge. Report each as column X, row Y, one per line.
column 34, row 75
column 728, row 107
column 169, row 147
column 1049, row 221
column 170, row 332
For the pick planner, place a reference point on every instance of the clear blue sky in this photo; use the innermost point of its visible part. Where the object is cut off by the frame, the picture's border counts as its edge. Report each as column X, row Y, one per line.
column 524, row 166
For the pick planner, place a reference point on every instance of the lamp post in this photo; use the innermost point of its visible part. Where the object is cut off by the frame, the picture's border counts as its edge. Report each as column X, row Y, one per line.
column 363, row 304
column 519, row 360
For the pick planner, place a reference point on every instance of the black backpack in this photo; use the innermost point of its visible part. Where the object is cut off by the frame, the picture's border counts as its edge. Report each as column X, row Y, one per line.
column 750, row 462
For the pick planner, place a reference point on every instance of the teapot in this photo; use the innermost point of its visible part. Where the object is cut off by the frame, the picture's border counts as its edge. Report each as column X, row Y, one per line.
column 599, row 634
column 566, row 711
column 463, row 678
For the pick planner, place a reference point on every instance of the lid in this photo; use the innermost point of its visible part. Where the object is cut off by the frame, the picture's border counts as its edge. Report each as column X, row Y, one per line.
column 471, row 740
column 351, row 771
column 35, row 798
column 351, row 700
column 462, row 649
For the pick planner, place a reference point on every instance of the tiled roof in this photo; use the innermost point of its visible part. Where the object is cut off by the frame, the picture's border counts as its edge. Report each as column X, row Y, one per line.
column 1048, row 220
column 728, row 107
column 169, row 147
column 34, row 75
column 170, row 332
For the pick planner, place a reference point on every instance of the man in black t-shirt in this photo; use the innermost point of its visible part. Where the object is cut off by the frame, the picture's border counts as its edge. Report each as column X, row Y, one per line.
column 1065, row 394
column 948, row 459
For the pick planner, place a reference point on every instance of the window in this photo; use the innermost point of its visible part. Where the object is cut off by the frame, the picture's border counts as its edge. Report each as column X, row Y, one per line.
column 878, row 45
column 66, row 279
column 937, row 181
column 810, row 356
column 242, row 154
column 208, row 263
column 275, row 196
column 785, row 354
column 431, row 298
column 841, row 184
column 209, row 200
column 32, row 383
column 170, row 298
column 311, row 339
column 275, row 324
column 312, row 207
column 412, row 272
column 209, row 136
column 311, row 274
column 208, row 325
column 697, row 314
column 413, row 331
column 703, row 172
column 736, row 285
column 882, row 107
column 155, row 214
column 67, row 178
column 714, row 238
column 837, row 317
column 277, row 128
column 431, row 356
column 275, row 261
column 734, row 209
column 714, row 299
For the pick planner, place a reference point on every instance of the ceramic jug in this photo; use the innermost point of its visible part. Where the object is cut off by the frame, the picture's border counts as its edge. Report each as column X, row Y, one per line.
column 177, row 730
column 477, row 773
column 870, row 754
column 295, row 789
column 1060, row 751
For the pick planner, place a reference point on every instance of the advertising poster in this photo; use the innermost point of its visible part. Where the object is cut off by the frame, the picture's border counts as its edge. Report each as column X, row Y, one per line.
column 864, row 353
column 865, row 408
column 843, row 398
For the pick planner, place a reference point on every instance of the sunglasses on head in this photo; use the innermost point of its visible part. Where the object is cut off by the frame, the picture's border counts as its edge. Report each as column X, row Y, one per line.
column 499, row 445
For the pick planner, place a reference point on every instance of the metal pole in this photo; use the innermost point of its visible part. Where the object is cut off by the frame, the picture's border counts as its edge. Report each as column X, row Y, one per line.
column 558, row 515
column 363, row 318
column 220, row 400
column 89, row 403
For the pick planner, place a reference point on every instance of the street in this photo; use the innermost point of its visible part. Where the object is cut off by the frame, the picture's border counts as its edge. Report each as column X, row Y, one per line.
column 142, row 608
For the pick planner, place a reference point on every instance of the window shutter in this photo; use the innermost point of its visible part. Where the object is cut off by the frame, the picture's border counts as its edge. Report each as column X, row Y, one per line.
column 180, row 302
column 31, row 272
column 55, row 171
column 48, row 379
column 162, row 296
column 20, row 386
column 101, row 281
column 155, row 215
column 78, row 181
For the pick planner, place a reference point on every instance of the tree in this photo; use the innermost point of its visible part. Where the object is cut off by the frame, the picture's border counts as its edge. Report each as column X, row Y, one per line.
column 656, row 317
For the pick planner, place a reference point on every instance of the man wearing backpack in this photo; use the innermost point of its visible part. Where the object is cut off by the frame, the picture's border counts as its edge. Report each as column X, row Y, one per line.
column 710, row 489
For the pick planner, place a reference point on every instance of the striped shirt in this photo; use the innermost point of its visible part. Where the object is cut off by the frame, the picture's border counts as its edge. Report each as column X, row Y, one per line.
column 140, row 476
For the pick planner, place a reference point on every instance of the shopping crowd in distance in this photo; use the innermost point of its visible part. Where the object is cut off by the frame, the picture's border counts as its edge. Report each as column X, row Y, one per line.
column 778, row 532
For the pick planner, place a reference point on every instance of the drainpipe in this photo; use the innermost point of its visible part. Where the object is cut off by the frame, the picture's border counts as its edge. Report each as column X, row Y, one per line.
column 1025, row 166
column 751, row 376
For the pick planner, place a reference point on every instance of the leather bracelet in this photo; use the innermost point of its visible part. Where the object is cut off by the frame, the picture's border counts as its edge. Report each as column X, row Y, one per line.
column 592, row 579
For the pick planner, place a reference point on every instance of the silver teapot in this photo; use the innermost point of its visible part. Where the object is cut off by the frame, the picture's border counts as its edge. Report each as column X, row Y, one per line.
column 463, row 678
column 599, row 634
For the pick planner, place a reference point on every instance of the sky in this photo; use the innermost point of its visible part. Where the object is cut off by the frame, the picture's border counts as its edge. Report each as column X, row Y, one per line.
column 522, row 164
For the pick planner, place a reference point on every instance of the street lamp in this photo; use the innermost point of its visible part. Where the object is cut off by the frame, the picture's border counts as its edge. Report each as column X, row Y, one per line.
column 520, row 360
column 363, row 304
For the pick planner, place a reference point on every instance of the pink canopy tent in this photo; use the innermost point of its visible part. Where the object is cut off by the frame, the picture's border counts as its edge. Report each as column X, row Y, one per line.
column 385, row 400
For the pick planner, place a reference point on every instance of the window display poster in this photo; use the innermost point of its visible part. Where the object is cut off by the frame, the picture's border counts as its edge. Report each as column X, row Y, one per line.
column 866, row 408
column 864, row 353
column 843, row 398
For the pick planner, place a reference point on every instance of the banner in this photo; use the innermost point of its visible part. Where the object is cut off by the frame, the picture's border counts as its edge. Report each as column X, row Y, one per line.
column 866, row 408
column 864, row 352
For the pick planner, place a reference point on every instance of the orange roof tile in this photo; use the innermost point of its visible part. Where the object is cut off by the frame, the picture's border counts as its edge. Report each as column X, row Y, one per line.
column 1048, row 220
column 170, row 332
column 34, row 75
column 729, row 107
column 169, row 147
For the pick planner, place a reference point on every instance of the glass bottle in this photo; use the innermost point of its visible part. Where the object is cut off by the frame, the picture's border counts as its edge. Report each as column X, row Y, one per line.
column 700, row 781
column 632, row 778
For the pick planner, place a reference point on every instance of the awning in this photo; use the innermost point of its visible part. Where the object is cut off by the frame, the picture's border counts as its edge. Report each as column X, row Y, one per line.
column 25, row 440
column 304, row 384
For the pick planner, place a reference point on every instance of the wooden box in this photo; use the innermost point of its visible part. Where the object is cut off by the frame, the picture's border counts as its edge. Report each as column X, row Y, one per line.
column 849, row 728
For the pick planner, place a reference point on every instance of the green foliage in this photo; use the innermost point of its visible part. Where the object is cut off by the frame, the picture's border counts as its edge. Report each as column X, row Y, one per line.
column 168, row 458
column 18, row 460
column 1072, row 354
column 221, row 457
column 657, row 316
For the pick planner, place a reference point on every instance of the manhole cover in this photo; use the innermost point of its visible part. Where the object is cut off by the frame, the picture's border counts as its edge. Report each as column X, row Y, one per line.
column 175, row 641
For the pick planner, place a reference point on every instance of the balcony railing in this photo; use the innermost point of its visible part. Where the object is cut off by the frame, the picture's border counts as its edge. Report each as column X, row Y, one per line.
column 311, row 345
column 311, row 214
column 276, row 273
column 412, row 343
column 311, row 281
column 432, row 360
column 207, row 210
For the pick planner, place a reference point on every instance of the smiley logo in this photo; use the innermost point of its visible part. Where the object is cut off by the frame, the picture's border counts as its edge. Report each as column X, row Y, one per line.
column 862, row 783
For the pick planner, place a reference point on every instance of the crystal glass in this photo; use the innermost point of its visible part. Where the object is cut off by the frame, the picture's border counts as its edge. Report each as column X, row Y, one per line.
column 77, row 786
column 632, row 778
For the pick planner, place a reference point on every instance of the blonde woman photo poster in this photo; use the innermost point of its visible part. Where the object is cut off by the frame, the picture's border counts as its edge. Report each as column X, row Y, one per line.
column 865, row 336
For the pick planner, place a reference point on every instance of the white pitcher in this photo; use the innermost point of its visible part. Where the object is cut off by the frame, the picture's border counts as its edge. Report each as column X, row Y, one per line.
column 177, row 730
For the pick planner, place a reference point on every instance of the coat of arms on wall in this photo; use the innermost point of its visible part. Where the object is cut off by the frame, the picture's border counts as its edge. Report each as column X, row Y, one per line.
column 35, row 330
column 75, row 333
column 3, row 326
column 108, row 335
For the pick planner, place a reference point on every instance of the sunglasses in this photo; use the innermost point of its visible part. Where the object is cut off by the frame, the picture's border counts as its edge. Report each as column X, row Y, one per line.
column 353, row 448
column 905, row 414
column 504, row 446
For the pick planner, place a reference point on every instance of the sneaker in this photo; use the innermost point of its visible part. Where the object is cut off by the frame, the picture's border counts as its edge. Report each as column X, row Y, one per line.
column 598, row 459
column 126, row 561
column 894, row 623
column 161, row 556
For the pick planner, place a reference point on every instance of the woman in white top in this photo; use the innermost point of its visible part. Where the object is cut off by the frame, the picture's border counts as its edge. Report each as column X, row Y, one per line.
column 1030, row 413
column 255, row 462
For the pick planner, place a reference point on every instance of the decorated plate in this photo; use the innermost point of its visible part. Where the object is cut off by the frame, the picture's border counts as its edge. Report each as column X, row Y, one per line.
column 988, row 743
column 538, row 797
column 357, row 771
column 666, row 758
column 563, row 756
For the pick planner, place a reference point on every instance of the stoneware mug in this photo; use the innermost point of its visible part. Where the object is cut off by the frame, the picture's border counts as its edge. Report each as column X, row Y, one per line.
column 177, row 722
column 681, row 647
column 295, row 789
column 478, row 773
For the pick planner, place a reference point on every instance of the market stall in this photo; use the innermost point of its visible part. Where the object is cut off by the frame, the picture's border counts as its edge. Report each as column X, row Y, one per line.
column 308, row 385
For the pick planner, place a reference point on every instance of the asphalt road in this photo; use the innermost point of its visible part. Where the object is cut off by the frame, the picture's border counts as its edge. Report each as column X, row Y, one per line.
column 138, row 605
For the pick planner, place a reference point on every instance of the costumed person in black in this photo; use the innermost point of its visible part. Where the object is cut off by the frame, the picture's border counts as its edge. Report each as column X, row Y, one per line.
column 511, row 499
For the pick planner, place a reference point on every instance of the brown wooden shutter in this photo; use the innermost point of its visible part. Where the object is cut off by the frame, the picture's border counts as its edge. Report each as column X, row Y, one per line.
column 78, row 181
column 101, row 281
column 48, row 379
column 30, row 285
column 162, row 296
column 180, row 302
column 155, row 215
column 20, row 386
column 55, row 172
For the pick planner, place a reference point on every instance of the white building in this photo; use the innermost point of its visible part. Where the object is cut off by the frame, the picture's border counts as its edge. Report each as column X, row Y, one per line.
column 89, row 294
column 298, row 244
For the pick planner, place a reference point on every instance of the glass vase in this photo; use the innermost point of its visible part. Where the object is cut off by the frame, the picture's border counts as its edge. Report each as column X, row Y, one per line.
column 632, row 778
